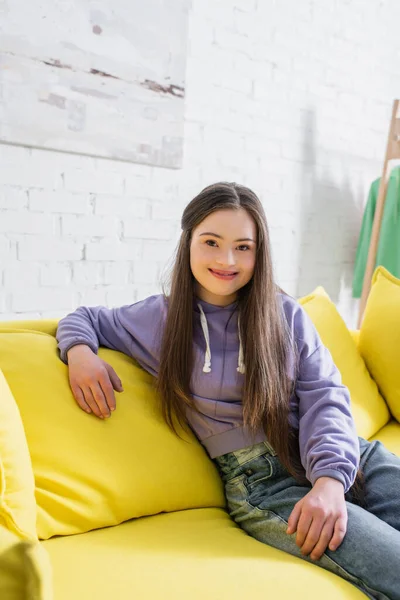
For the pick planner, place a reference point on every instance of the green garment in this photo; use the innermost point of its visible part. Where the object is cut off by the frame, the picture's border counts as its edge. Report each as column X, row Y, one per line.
column 388, row 254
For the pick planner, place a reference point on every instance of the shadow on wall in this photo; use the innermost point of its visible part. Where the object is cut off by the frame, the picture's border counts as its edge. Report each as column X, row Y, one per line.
column 330, row 218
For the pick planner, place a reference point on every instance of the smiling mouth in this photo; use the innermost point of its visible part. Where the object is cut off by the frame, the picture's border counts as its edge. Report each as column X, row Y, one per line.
column 223, row 274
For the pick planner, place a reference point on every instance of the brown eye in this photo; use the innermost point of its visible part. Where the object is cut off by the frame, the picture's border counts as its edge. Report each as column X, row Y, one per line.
column 212, row 242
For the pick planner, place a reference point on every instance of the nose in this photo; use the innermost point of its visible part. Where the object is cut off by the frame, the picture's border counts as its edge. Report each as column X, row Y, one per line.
column 226, row 258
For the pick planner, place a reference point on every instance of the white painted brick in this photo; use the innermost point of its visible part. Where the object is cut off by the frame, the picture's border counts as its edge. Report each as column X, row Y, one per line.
column 10, row 154
column 156, row 250
column 55, row 274
column 113, row 251
column 94, row 297
column 96, row 182
column 91, row 225
column 215, row 14
column 279, row 56
column 156, row 189
column 122, row 296
column 145, row 272
column 124, row 168
column 38, row 299
column 255, row 69
column 233, row 41
column 46, row 248
column 167, row 210
column 29, row 175
column 19, row 316
column 60, row 161
column 164, row 190
column 114, row 205
column 194, row 152
column 3, row 302
column 19, row 274
column 262, row 146
column 235, row 120
column 202, row 34
column 299, row 65
column 269, row 91
column 223, row 137
column 87, row 273
column 13, row 198
column 117, row 273
column 144, row 291
column 5, row 249
column 233, row 81
column 246, row 5
column 147, row 229
column 193, row 131
column 59, row 202
column 60, row 313
column 246, row 24
column 26, row 222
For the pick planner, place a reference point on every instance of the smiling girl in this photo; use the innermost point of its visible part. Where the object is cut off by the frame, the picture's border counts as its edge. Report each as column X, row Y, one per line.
column 241, row 363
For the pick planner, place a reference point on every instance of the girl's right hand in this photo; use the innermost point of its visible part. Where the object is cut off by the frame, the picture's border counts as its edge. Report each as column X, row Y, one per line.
column 92, row 381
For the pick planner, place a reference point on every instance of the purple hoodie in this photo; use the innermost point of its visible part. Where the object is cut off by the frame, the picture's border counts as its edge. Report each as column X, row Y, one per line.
column 320, row 406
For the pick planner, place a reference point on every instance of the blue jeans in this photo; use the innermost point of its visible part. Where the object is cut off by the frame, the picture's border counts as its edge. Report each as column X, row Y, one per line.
column 261, row 494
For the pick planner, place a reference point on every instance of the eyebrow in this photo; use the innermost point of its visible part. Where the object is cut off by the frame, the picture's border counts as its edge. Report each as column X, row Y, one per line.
column 221, row 238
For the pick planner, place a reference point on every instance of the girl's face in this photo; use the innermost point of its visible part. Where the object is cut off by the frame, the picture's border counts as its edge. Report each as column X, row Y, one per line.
column 223, row 255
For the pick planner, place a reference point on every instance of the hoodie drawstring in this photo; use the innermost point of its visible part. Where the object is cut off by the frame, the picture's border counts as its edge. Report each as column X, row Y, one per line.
column 207, row 356
column 204, row 326
column 240, row 368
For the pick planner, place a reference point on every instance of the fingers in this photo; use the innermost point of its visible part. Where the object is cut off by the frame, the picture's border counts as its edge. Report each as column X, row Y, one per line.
column 318, row 547
column 100, row 399
column 79, row 397
column 339, row 532
column 91, row 401
column 93, row 382
column 96, row 396
column 318, row 537
column 294, row 518
column 320, row 519
column 115, row 380
column 108, row 393
column 303, row 527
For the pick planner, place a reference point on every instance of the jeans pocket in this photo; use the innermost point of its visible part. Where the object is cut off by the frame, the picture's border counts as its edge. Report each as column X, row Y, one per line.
column 278, row 470
column 257, row 471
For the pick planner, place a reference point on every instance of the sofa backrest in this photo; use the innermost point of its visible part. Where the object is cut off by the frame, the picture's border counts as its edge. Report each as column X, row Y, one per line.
column 91, row 473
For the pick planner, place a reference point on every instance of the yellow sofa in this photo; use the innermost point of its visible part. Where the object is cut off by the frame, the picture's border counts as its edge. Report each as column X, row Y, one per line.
column 123, row 509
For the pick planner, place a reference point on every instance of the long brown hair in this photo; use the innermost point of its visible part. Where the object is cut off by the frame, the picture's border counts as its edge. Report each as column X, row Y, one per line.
column 267, row 343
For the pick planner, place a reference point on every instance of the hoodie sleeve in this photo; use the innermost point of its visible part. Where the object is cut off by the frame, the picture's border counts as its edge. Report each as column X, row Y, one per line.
column 135, row 330
column 329, row 445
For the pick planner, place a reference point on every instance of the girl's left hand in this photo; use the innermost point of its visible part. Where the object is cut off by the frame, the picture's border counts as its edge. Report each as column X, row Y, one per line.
column 320, row 518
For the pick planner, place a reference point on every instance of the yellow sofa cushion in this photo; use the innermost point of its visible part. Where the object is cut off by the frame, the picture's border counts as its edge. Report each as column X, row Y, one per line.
column 25, row 572
column 17, row 486
column 43, row 325
column 186, row 555
column 389, row 435
column 91, row 473
column 355, row 334
column 368, row 407
column 380, row 336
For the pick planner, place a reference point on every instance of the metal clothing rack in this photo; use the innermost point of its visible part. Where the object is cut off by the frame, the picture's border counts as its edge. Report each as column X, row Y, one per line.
column 392, row 153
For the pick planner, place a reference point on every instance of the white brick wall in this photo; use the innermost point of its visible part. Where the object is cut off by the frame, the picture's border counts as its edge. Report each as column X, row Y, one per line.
column 292, row 98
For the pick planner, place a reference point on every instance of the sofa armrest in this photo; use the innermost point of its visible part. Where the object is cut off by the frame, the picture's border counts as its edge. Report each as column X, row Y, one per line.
column 25, row 570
